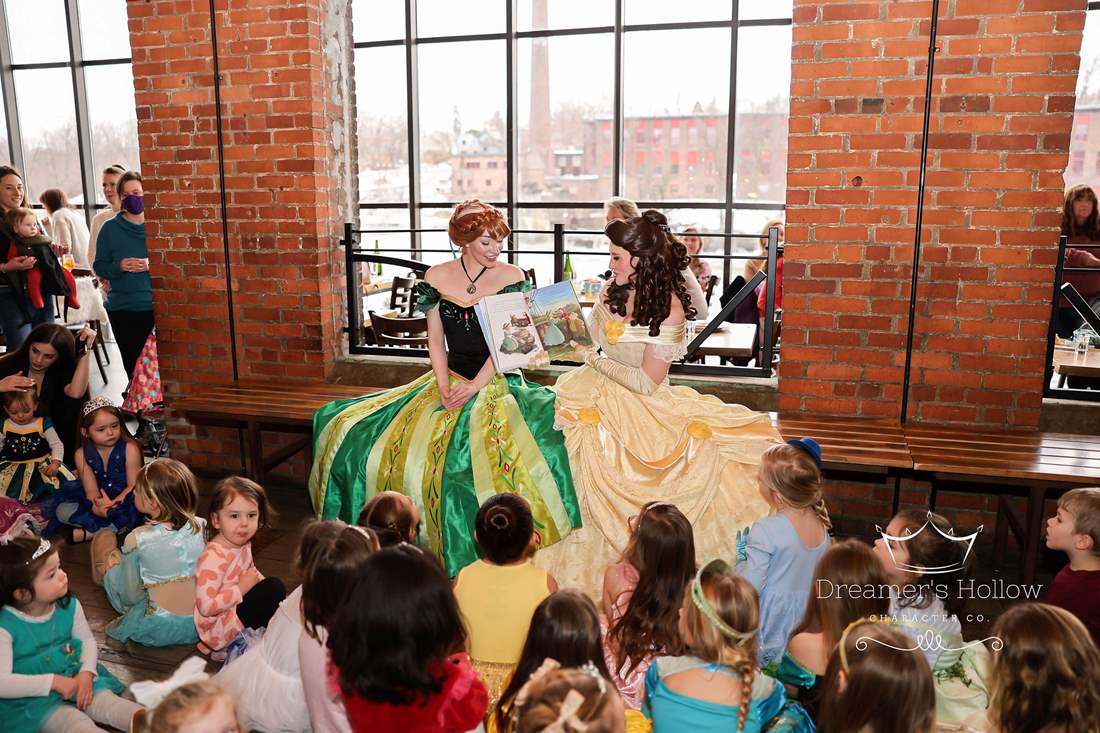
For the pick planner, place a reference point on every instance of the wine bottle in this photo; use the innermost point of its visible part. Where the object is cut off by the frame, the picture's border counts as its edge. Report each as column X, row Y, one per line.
column 377, row 265
column 567, row 271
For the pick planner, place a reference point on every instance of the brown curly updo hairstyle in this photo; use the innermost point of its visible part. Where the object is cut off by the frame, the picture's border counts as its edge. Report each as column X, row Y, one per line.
column 661, row 258
column 472, row 218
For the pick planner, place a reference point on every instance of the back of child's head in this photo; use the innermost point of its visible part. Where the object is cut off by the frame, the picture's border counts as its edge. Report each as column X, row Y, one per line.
column 397, row 626
column 934, row 548
column 504, row 528
column 1044, row 672
column 877, row 683
column 169, row 487
column 564, row 627
column 792, row 472
column 21, row 558
column 187, row 708
column 721, row 618
column 330, row 556
column 662, row 550
column 392, row 517
column 569, row 701
column 1084, row 506
column 230, row 488
column 15, row 399
column 848, row 564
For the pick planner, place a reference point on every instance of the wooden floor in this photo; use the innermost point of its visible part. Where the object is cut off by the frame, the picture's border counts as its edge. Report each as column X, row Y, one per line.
column 274, row 553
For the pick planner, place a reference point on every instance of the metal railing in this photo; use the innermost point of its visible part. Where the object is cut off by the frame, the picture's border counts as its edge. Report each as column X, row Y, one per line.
column 355, row 255
column 1077, row 305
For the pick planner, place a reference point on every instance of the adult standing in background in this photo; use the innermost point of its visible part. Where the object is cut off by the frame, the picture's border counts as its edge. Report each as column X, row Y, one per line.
column 1080, row 225
column 123, row 260
column 617, row 208
column 111, row 174
column 70, row 233
column 17, row 315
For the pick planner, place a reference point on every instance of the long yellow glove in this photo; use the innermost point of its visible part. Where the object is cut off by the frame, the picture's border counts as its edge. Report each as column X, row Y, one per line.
column 633, row 378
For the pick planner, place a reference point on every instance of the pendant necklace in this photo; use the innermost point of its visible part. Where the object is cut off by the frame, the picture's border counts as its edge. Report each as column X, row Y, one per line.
column 471, row 288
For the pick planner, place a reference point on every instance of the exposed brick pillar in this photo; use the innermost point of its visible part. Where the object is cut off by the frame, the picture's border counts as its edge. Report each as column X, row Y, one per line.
column 286, row 90
column 998, row 142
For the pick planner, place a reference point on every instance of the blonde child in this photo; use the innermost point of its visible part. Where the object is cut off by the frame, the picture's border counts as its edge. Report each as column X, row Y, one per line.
column 230, row 593
column 873, row 684
column 567, row 700
column 779, row 553
column 397, row 649
column 845, row 565
column 642, row 594
column 1075, row 530
column 50, row 678
column 266, row 680
column 101, row 497
column 30, row 460
column 1044, row 676
column 327, row 581
column 197, row 707
column 717, row 686
column 498, row 593
column 151, row 581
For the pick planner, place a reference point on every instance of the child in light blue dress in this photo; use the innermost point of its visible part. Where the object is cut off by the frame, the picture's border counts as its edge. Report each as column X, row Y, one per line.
column 151, row 581
column 718, row 687
column 780, row 552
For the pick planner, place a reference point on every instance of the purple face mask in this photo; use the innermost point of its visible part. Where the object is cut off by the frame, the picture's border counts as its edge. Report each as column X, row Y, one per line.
column 133, row 204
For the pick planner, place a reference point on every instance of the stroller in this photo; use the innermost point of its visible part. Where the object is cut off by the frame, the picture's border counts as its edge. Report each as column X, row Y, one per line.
column 145, row 401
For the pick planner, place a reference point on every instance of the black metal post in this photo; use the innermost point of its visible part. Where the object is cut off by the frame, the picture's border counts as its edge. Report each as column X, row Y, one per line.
column 511, row 154
column 617, row 110
column 769, row 297
column 559, row 251
column 1059, row 266
column 929, row 76
column 351, row 273
column 412, row 121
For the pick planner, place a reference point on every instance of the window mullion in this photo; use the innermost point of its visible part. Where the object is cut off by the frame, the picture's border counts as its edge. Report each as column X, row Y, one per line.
column 83, row 121
column 7, row 86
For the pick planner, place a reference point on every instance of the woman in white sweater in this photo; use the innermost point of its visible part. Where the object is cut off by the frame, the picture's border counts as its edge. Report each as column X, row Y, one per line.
column 68, row 228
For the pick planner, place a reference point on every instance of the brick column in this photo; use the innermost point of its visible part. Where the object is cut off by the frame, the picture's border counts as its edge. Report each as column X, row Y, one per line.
column 998, row 142
column 286, row 91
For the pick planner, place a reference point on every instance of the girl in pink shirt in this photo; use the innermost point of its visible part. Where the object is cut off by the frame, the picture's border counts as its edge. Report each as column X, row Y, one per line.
column 230, row 593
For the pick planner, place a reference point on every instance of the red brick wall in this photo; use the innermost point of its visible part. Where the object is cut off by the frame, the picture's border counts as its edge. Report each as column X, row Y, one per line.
column 1001, row 115
column 283, row 88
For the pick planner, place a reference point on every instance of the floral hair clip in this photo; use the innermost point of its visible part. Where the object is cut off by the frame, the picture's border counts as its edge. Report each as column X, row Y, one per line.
column 94, row 404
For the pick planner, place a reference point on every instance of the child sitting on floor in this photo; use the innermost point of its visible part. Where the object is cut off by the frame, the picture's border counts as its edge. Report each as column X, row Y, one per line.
column 50, row 678
column 30, row 460
column 197, row 706
column 557, row 699
column 24, row 225
column 498, row 593
column 392, row 516
column 1075, row 530
column 781, row 551
column 231, row 595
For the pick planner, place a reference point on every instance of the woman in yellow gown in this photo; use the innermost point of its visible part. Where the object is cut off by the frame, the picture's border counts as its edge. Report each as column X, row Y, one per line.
column 631, row 436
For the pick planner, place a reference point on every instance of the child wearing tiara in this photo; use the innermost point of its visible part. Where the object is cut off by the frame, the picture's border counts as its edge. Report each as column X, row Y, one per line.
column 50, row 678
column 557, row 699
column 30, row 460
column 106, row 465
column 779, row 553
column 230, row 592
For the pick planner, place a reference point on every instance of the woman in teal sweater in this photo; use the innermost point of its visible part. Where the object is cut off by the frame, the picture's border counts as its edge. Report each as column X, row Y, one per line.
column 122, row 259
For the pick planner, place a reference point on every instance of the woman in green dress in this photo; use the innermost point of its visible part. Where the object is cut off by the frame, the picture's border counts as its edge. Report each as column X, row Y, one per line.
column 459, row 434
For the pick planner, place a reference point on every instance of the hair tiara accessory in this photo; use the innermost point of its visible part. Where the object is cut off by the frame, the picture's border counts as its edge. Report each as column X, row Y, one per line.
column 810, row 446
column 701, row 602
column 94, row 404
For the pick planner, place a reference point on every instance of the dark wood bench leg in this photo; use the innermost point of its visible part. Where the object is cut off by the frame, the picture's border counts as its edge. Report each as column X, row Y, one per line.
column 255, row 452
column 1000, row 533
column 1036, row 500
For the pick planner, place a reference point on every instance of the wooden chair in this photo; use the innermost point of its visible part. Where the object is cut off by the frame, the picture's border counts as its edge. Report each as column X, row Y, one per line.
column 402, row 296
column 709, row 289
column 390, row 331
column 530, row 274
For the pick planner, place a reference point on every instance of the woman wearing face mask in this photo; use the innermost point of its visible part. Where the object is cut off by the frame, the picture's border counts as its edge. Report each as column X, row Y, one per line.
column 17, row 314
column 461, row 431
column 122, row 259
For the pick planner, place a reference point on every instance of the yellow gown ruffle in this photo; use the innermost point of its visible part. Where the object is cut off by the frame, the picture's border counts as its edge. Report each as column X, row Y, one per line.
column 674, row 445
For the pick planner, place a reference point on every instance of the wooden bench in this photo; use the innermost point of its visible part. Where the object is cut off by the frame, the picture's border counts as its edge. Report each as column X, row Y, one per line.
column 850, row 443
column 265, row 405
column 1033, row 463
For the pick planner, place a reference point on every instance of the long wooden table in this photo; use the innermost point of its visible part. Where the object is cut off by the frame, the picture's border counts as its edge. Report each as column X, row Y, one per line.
column 734, row 340
column 1069, row 363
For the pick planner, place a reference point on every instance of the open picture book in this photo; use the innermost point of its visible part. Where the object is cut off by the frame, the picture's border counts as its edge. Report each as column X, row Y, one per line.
column 530, row 329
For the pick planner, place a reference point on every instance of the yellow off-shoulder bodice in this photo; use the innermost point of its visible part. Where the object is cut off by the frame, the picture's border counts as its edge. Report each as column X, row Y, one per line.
column 625, row 343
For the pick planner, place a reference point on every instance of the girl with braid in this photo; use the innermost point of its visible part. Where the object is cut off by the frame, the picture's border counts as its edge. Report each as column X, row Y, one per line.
column 717, row 685
column 778, row 554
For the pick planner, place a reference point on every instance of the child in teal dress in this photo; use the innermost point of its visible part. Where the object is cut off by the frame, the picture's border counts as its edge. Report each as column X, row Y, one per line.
column 50, row 678
column 151, row 581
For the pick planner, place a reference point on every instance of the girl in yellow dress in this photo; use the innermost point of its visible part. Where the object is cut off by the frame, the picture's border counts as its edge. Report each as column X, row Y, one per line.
column 634, row 438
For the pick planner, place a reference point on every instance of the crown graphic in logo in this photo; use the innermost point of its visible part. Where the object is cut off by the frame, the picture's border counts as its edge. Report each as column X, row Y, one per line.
column 928, row 525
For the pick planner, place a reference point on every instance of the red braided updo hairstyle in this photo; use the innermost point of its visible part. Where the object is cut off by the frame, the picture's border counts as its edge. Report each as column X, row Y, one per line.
column 473, row 218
